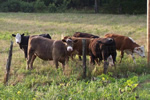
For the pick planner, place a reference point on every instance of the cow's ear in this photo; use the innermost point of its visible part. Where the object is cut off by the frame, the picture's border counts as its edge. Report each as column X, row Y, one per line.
column 22, row 34
column 13, row 35
column 75, row 41
column 63, row 40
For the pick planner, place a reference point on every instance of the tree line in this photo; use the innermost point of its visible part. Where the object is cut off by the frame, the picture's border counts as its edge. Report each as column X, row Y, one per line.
column 99, row 6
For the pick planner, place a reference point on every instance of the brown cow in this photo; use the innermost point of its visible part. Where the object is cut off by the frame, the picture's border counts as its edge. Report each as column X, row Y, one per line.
column 47, row 49
column 77, row 45
column 127, row 44
column 84, row 35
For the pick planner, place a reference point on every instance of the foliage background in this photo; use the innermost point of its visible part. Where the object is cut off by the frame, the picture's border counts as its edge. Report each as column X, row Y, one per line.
column 104, row 6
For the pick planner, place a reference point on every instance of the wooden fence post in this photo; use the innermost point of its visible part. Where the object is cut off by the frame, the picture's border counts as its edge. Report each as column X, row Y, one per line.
column 8, row 63
column 84, row 57
column 148, row 32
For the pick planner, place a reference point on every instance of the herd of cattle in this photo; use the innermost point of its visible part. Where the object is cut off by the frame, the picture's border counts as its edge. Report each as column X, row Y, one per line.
column 61, row 50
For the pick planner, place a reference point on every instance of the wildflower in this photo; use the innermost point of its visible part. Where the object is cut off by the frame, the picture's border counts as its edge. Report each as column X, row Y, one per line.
column 34, row 98
column 18, row 92
column 103, row 78
column 67, row 84
column 62, row 84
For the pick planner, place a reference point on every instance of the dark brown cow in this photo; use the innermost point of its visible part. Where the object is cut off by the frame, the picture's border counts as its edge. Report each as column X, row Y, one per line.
column 47, row 49
column 84, row 35
column 102, row 48
column 127, row 44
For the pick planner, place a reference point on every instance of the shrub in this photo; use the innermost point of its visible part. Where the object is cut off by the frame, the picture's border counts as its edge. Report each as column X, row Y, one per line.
column 11, row 6
column 63, row 7
column 27, row 7
column 39, row 6
column 52, row 8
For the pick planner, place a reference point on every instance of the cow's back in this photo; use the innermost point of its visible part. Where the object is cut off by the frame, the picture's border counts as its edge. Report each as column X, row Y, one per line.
column 122, row 42
column 42, row 47
column 84, row 35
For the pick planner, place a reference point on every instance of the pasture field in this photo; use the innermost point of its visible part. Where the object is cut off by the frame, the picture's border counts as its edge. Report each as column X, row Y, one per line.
column 128, row 82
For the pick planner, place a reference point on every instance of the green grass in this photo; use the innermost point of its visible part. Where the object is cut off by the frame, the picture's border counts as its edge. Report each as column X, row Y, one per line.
column 128, row 82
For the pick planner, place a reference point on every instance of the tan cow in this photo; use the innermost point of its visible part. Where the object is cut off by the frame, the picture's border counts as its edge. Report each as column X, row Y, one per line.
column 127, row 45
column 48, row 49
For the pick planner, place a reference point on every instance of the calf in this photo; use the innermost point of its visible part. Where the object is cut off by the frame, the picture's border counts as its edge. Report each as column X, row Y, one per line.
column 77, row 46
column 47, row 49
column 128, row 45
column 23, row 41
column 84, row 35
column 102, row 48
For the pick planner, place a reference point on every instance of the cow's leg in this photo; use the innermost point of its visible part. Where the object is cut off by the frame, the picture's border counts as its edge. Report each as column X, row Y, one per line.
column 92, row 59
column 97, row 61
column 72, row 57
column 122, row 54
column 29, row 58
column 28, row 62
column 25, row 51
column 100, row 58
column 32, row 60
column 80, row 58
column 63, row 64
column 25, row 54
column 56, row 63
column 133, row 58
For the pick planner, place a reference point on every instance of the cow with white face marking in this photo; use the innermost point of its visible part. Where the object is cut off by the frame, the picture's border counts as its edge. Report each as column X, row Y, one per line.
column 77, row 46
column 127, row 45
column 23, row 41
column 48, row 49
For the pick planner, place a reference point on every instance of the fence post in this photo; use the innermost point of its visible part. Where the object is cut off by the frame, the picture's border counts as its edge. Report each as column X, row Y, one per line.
column 84, row 57
column 8, row 63
column 148, row 32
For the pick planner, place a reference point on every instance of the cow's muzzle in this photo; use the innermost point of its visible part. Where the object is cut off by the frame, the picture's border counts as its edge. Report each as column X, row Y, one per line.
column 69, row 48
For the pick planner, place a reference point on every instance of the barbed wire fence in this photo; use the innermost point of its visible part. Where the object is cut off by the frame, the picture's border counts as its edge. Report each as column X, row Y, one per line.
column 4, row 53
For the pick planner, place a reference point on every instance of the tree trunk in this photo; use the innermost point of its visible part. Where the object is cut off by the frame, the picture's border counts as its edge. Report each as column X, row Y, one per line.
column 96, row 7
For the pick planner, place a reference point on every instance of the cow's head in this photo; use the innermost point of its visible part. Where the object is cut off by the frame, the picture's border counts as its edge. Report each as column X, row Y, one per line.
column 69, row 43
column 140, row 51
column 18, row 37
